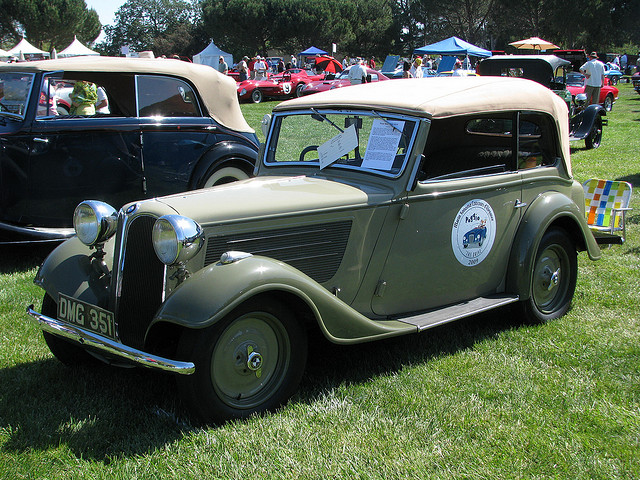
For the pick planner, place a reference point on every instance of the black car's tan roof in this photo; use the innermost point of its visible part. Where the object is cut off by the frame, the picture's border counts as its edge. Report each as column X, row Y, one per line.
column 217, row 91
column 442, row 97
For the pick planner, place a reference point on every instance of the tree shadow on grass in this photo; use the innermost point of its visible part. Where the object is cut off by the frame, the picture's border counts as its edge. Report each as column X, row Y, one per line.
column 101, row 412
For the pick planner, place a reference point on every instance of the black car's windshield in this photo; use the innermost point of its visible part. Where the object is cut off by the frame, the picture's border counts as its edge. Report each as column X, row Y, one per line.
column 14, row 93
column 369, row 141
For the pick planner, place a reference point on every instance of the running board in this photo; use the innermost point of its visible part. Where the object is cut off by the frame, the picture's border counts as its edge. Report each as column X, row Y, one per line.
column 457, row 311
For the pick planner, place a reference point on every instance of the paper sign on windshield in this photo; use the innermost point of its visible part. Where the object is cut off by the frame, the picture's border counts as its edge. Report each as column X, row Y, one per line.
column 338, row 146
column 383, row 144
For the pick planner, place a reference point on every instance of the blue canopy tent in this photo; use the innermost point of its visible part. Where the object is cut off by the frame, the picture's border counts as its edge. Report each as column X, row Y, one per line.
column 312, row 51
column 452, row 46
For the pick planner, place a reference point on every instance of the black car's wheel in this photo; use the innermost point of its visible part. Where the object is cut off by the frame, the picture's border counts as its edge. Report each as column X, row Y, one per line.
column 299, row 88
column 595, row 135
column 250, row 362
column 256, row 96
column 219, row 175
column 65, row 351
column 553, row 278
column 608, row 103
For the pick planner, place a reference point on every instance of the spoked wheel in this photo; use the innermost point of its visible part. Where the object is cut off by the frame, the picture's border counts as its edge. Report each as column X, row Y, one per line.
column 553, row 279
column 256, row 96
column 608, row 103
column 595, row 135
column 68, row 353
column 250, row 362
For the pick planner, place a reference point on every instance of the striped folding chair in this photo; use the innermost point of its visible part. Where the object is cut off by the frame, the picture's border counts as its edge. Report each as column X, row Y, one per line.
column 606, row 202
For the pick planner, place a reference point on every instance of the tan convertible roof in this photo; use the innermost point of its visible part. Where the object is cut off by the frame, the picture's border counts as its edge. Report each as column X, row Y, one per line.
column 446, row 97
column 218, row 92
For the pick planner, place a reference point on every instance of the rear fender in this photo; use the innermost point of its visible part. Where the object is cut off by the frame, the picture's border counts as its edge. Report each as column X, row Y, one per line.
column 213, row 292
column 551, row 209
column 231, row 153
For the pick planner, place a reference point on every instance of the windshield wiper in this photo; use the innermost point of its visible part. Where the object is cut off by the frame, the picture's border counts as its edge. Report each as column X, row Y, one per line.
column 324, row 117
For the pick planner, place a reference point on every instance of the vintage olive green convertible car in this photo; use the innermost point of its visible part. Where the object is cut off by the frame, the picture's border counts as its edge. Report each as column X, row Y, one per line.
column 378, row 210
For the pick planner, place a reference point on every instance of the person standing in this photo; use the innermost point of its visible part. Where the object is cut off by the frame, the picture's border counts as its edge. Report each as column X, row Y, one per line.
column 243, row 69
column 223, row 68
column 593, row 70
column 357, row 73
column 261, row 68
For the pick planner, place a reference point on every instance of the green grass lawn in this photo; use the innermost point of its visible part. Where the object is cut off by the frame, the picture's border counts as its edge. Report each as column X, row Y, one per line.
column 484, row 398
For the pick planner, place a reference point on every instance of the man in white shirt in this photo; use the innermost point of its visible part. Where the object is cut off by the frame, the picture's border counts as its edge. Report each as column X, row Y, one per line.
column 357, row 72
column 593, row 71
column 261, row 68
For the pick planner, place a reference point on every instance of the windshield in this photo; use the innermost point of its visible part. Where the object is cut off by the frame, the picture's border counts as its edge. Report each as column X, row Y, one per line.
column 357, row 140
column 14, row 93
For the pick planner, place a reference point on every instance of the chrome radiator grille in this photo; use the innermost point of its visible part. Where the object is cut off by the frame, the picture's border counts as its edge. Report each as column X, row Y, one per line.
column 316, row 250
column 141, row 278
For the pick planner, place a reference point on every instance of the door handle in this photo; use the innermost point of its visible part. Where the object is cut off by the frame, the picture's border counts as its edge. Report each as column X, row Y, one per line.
column 519, row 204
column 40, row 140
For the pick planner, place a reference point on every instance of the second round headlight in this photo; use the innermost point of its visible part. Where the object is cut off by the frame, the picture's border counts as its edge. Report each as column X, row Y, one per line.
column 176, row 239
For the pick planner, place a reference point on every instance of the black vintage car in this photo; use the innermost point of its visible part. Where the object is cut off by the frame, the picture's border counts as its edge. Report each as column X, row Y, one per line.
column 167, row 126
column 586, row 122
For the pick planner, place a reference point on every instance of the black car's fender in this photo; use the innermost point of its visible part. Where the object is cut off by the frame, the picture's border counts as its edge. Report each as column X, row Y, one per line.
column 213, row 292
column 221, row 155
column 547, row 210
column 582, row 122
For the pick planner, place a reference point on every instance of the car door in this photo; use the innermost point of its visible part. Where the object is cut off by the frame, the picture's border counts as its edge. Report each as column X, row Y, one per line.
column 175, row 134
column 455, row 232
column 78, row 157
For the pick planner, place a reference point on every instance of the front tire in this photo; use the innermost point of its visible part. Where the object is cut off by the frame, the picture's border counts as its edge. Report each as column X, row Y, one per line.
column 298, row 91
column 66, row 352
column 249, row 362
column 595, row 135
column 553, row 278
column 608, row 103
column 256, row 96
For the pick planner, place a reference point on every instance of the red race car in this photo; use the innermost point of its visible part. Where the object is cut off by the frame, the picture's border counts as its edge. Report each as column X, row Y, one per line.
column 608, row 93
column 286, row 84
column 341, row 80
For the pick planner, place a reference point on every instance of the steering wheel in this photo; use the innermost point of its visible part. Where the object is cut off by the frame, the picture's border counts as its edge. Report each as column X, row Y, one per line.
column 306, row 150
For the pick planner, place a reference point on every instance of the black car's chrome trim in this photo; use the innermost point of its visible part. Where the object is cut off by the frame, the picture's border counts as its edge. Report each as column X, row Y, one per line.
column 38, row 233
column 109, row 347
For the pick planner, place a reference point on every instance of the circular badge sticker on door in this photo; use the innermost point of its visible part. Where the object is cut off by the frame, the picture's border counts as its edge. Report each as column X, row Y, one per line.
column 473, row 232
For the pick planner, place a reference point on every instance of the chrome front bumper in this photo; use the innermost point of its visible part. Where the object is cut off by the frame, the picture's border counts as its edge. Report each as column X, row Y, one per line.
column 109, row 347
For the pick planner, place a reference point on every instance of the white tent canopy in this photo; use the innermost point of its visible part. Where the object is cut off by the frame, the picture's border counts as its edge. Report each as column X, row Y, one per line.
column 4, row 54
column 211, row 55
column 26, row 48
column 75, row 49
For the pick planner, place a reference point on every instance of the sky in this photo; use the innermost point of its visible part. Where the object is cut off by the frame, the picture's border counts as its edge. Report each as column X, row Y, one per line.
column 106, row 9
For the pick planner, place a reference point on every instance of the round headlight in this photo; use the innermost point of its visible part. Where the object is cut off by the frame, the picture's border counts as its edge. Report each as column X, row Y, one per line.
column 176, row 239
column 95, row 222
column 581, row 99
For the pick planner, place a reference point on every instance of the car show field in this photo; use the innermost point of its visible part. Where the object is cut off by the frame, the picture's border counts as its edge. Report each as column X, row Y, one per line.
column 460, row 400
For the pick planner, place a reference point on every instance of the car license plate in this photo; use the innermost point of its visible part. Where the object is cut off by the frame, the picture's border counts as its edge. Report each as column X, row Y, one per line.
column 87, row 316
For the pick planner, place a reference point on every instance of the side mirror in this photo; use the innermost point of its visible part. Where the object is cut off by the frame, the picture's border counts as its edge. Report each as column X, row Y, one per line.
column 265, row 124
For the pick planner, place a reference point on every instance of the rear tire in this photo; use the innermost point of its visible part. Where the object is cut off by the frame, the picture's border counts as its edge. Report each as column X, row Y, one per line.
column 65, row 351
column 553, row 278
column 221, row 175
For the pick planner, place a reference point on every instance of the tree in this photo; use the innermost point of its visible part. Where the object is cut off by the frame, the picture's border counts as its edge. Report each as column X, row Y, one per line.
column 164, row 26
column 50, row 24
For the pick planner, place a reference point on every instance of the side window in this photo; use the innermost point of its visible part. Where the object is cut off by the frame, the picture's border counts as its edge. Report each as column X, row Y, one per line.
column 61, row 97
column 536, row 145
column 471, row 146
column 165, row 97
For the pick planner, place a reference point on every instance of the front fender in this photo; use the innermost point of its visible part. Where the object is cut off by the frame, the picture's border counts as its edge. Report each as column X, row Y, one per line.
column 547, row 210
column 69, row 269
column 582, row 123
column 213, row 292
